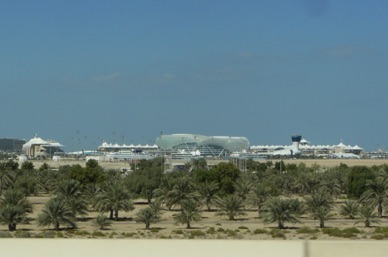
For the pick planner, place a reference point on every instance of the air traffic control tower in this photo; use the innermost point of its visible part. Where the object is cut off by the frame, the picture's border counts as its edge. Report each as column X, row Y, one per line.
column 295, row 141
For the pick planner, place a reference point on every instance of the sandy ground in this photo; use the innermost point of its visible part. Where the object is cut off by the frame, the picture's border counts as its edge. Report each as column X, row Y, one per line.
column 324, row 163
column 248, row 227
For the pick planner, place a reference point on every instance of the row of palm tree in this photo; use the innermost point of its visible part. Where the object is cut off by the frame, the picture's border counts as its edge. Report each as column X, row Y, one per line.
column 76, row 190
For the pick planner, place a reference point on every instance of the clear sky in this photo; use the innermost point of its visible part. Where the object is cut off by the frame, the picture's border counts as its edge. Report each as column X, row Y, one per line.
column 123, row 71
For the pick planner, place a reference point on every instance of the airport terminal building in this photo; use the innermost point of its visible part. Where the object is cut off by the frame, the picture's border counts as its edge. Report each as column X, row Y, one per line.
column 39, row 148
column 182, row 146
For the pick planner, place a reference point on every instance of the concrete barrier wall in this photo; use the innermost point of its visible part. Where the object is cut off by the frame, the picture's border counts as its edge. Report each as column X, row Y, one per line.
column 189, row 248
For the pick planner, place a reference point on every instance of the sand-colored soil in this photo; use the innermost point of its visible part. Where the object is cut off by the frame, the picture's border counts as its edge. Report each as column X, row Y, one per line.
column 210, row 227
column 248, row 227
column 324, row 163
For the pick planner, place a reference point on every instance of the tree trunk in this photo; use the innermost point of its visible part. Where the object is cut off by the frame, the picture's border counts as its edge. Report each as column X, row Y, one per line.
column 280, row 225
column 380, row 210
column 188, row 226
column 12, row 226
column 111, row 214
column 116, row 214
column 56, row 226
column 147, row 225
column 322, row 224
column 208, row 206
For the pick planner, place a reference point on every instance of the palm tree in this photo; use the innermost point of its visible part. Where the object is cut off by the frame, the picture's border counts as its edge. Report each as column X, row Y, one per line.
column 182, row 190
column 320, row 204
column 299, row 207
column 322, row 213
column 376, row 194
column 102, row 222
column 350, row 209
column 190, row 212
column 70, row 191
column 16, row 198
column 166, row 185
column 78, row 205
column 332, row 187
column 318, row 199
column 11, row 215
column 208, row 192
column 147, row 216
column 68, row 188
column 14, row 207
column 367, row 216
column 231, row 206
column 56, row 212
column 258, row 196
column 243, row 186
column 199, row 164
column 6, row 178
column 47, row 180
column 113, row 198
column 280, row 211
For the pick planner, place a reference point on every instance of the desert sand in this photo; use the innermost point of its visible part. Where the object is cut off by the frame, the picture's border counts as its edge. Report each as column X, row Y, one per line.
column 248, row 227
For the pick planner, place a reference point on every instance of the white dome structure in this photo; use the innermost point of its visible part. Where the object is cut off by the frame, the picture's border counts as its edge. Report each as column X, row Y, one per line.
column 37, row 147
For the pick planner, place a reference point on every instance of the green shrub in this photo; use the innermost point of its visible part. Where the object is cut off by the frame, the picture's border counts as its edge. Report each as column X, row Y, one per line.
column 313, row 238
column 111, row 235
column 220, row 230
column 47, row 234
column 178, row 232
column 351, row 230
column 276, row 233
column 197, row 233
column 22, row 234
column 102, row 222
column 382, row 230
column 242, row 227
column 98, row 234
column 59, row 234
column 211, row 231
column 5, row 234
column 220, row 236
column 260, row 231
column 231, row 233
column 129, row 234
column 82, row 233
column 154, row 230
column 331, row 231
column 378, row 236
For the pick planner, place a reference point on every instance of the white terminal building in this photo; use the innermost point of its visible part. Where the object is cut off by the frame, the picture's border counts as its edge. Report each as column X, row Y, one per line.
column 39, row 148
column 304, row 148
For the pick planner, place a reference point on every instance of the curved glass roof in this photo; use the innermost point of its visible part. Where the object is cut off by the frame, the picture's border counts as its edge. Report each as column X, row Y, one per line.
column 199, row 142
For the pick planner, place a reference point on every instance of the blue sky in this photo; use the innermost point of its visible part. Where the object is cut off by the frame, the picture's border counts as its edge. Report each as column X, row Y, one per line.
column 123, row 71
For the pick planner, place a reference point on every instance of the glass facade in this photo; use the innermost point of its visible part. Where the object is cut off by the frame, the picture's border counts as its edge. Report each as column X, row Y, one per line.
column 213, row 146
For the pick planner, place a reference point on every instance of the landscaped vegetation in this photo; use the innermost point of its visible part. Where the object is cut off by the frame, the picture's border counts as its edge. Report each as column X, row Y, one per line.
column 269, row 199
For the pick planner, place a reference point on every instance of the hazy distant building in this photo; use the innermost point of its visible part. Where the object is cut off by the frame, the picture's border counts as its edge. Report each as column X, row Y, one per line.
column 39, row 148
column 191, row 145
column 11, row 145
column 308, row 150
column 109, row 147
